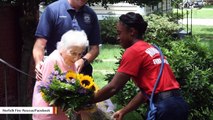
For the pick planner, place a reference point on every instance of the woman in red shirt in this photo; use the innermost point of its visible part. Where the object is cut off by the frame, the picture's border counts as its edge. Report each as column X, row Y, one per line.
column 141, row 62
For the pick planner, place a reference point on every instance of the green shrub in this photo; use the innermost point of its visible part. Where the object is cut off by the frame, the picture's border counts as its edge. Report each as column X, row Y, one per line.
column 108, row 30
column 192, row 64
column 160, row 29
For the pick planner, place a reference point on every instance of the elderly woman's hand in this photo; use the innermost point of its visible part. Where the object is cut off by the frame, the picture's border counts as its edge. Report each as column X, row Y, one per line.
column 79, row 65
column 38, row 70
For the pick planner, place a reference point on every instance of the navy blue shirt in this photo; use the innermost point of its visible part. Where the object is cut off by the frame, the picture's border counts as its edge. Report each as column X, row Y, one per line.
column 57, row 19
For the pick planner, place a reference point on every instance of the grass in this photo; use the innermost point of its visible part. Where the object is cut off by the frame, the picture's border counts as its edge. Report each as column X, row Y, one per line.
column 100, row 71
column 109, row 51
column 202, row 30
column 105, row 63
column 208, row 6
column 203, row 13
column 205, row 33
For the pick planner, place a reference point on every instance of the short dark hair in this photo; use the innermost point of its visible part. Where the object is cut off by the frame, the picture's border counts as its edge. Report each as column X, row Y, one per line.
column 136, row 21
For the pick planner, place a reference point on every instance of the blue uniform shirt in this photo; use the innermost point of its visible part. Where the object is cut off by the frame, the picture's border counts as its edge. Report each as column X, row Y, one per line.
column 57, row 19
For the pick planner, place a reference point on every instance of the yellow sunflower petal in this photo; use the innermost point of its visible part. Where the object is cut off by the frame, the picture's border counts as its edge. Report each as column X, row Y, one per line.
column 86, row 81
column 71, row 75
column 79, row 76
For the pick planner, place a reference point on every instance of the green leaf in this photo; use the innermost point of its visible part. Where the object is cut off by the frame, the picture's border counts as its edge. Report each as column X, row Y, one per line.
column 53, row 101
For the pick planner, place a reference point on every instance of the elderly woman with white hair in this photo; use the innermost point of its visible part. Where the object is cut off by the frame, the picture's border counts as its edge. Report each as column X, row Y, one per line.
column 69, row 50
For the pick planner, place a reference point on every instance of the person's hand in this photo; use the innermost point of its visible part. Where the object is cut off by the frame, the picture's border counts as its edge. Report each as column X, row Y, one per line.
column 118, row 115
column 79, row 65
column 38, row 70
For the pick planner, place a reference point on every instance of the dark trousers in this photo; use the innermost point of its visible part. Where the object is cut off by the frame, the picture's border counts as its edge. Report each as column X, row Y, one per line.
column 172, row 108
column 87, row 70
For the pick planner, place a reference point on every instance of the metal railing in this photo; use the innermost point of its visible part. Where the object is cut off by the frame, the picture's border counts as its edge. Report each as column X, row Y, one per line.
column 6, row 67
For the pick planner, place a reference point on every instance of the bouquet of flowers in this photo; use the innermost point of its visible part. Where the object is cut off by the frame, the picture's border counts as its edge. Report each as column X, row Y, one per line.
column 68, row 90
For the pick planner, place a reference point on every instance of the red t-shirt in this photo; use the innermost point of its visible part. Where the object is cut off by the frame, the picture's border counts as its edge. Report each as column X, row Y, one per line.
column 142, row 62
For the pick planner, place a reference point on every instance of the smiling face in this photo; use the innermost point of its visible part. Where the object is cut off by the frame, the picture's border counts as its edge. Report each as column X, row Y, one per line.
column 72, row 54
column 124, row 35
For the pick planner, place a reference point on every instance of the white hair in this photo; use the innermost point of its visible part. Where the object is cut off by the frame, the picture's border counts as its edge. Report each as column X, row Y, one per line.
column 73, row 38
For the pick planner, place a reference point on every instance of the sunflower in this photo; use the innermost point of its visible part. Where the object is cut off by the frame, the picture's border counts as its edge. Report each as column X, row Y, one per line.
column 70, row 75
column 80, row 76
column 86, row 81
column 94, row 87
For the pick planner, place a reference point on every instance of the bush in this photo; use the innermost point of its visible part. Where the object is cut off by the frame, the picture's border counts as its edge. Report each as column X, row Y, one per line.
column 160, row 29
column 108, row 30
column 192, row 63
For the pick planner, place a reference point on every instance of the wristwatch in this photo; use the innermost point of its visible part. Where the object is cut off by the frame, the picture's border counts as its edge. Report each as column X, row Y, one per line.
column 86, row 62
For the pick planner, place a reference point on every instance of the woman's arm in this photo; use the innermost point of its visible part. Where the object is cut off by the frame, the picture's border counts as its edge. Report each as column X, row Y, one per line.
column 118, row 81
column 132, row 105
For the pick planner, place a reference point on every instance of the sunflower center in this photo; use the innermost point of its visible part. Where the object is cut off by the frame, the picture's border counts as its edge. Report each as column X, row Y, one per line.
column 85, row 82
